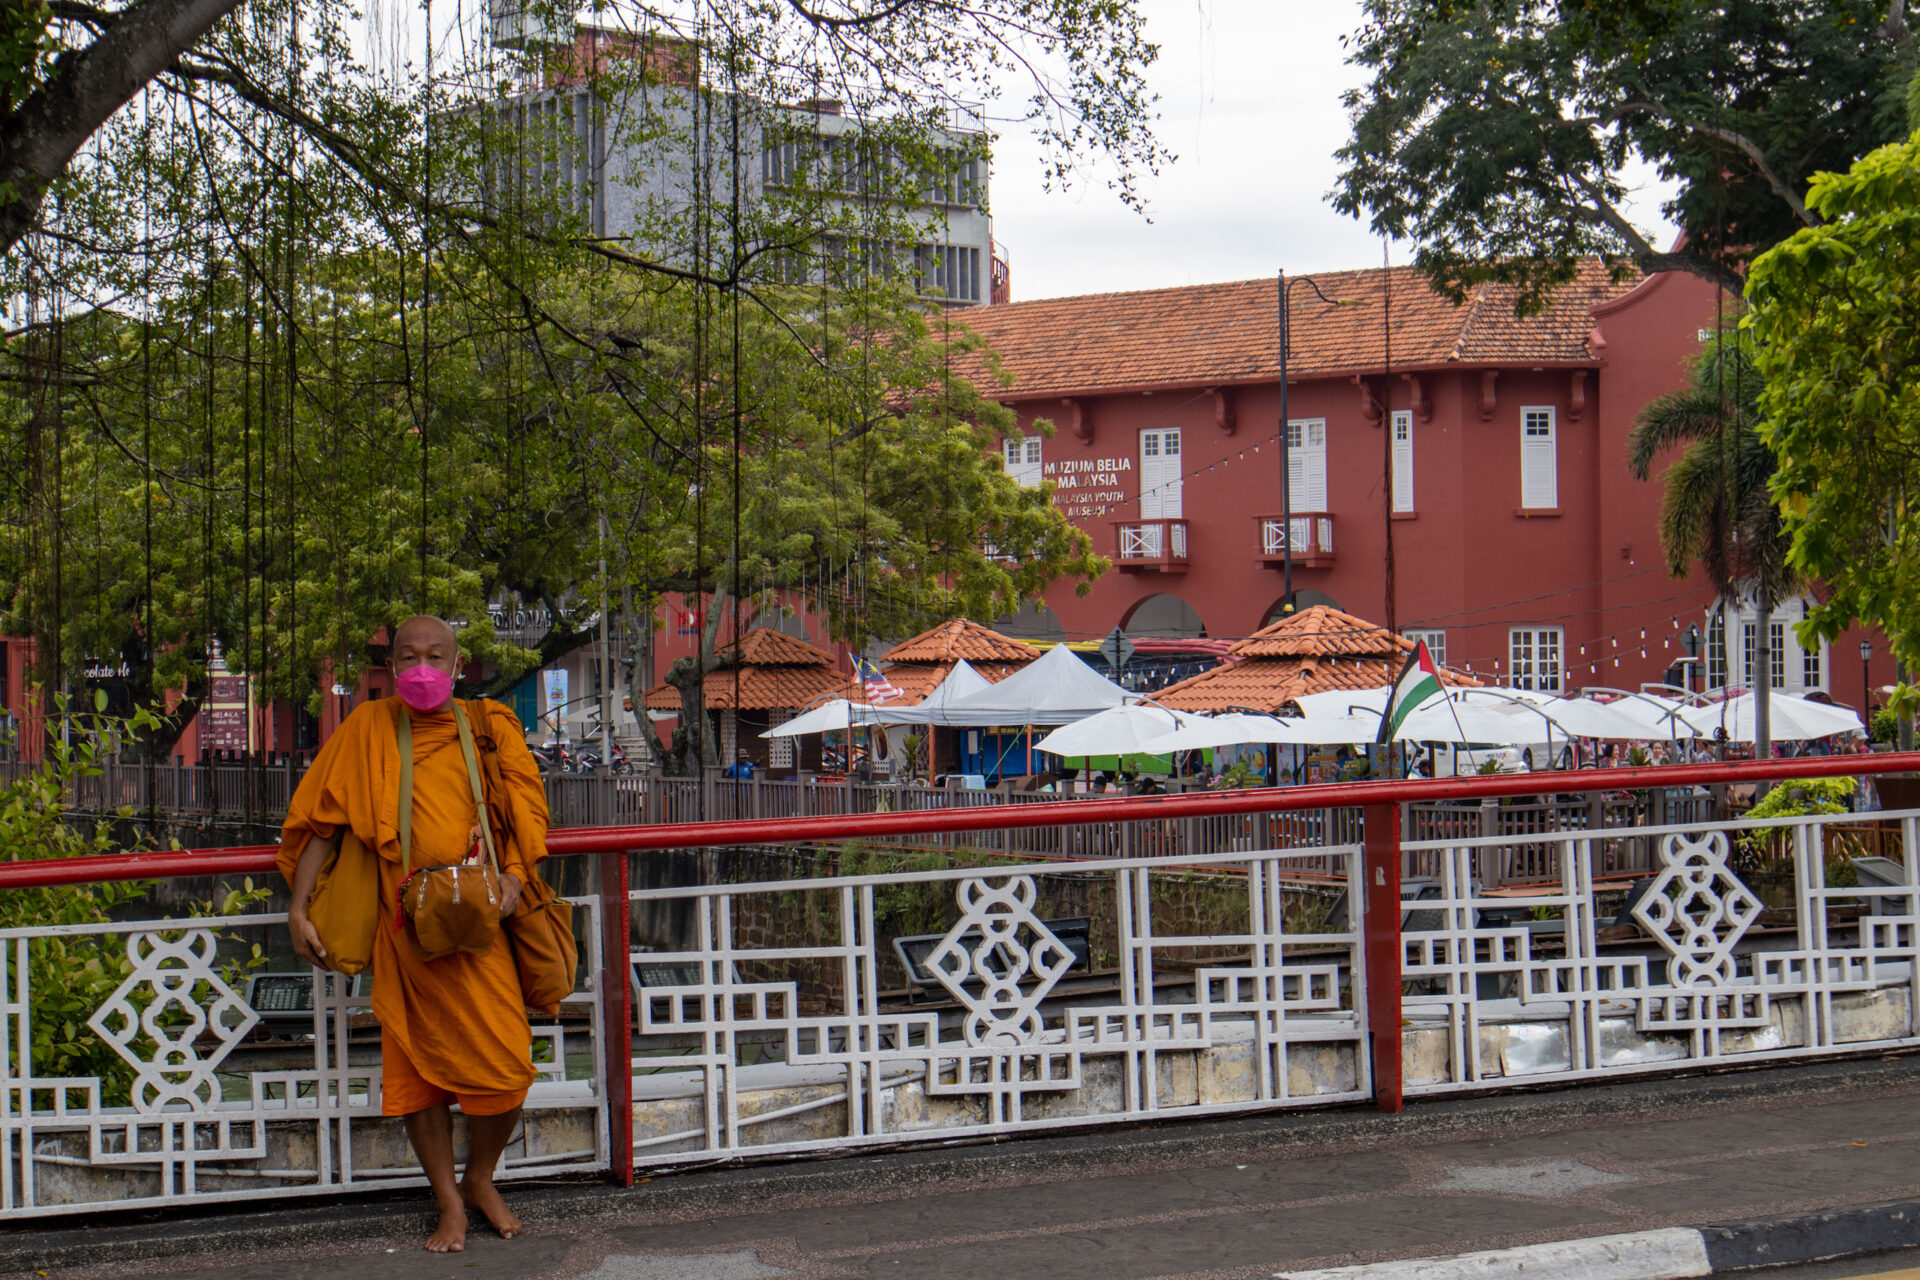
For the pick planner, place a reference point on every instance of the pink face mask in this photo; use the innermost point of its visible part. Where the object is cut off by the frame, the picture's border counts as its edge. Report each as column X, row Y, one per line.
column 424, row 687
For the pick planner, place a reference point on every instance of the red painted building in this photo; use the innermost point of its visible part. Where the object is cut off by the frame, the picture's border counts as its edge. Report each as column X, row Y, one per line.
column 1490, row 450
column 1455, row 470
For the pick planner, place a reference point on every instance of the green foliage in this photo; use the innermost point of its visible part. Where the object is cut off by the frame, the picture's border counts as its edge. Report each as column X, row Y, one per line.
column 1804, row 796
column 1716, row 509
column 1498, row 135
column 1837, row 325
column 1885, row 726
column 314, row 366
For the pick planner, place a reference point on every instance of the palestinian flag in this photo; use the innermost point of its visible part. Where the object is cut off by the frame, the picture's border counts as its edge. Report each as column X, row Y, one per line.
column 1417, row 683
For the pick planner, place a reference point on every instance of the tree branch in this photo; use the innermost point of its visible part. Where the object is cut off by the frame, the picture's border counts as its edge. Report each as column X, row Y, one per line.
column 1650, row 260
column 38, row 141
column 1741, row 142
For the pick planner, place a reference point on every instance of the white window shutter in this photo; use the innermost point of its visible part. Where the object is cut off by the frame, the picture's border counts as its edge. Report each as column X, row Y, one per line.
column 1539, row 460
column 1403, row 461
column 1307, row 467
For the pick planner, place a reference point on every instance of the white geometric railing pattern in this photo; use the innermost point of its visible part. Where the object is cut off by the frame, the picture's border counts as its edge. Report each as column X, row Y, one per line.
column 1682, row 967
column 214, row 1113
column 790, row 1016
column 1251, row 1013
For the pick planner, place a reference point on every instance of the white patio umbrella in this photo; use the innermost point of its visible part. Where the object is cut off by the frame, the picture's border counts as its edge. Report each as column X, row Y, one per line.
column 1235, row 728
column 1657, row 715
column 840, row 713
column 1460, row 718
column 1115, row 731
column 1587, row 718
column 1790, row 719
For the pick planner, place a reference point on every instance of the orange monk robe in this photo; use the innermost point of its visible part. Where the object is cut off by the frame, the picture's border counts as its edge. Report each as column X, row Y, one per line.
column 458, row 1020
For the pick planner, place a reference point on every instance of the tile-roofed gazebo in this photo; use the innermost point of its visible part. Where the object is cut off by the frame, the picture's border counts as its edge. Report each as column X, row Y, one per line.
column 1309, row 652
column 916, row 666
column 1221, row 335
column 776, row 672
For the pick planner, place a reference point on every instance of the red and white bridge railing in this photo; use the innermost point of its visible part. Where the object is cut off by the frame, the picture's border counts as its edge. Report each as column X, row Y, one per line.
column 814, row 985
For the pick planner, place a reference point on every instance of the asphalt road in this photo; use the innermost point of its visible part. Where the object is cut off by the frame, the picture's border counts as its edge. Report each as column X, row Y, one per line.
column 1229, row 1200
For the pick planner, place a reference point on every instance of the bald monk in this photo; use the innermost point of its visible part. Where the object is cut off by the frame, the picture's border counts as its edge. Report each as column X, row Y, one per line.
column 453, row 1029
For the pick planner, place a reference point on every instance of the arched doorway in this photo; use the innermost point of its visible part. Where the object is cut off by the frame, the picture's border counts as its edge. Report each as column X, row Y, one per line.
column 1164, row 617
column 1033, row 622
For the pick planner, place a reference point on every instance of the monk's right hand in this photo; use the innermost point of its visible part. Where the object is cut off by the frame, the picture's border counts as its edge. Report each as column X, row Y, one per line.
column 306, row 939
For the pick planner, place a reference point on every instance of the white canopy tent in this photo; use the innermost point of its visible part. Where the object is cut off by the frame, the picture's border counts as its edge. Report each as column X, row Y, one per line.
column 961, row 682
column 1790, row 719
column 839, row 713
column 1057, row 688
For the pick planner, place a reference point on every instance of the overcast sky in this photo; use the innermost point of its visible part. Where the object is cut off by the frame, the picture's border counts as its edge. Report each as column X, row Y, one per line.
column 1250, row 101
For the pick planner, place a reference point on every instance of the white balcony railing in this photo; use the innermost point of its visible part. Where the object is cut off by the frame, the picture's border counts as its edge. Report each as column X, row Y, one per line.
column 1308, row 533
column 1151, row 544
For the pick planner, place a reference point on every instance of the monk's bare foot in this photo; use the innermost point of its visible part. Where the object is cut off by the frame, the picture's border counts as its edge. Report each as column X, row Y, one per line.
column 451, row 1235
column 485, row 1197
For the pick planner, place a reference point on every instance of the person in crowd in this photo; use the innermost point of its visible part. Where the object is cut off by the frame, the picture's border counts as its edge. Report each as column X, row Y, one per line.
column 741, row 770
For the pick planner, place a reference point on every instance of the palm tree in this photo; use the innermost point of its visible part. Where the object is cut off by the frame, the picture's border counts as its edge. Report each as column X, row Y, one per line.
column 1717, row 511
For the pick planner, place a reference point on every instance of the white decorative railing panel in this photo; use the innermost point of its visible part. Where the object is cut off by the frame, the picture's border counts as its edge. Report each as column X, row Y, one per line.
column 1680, row 964
column 202, row 1105
column 761, row 1039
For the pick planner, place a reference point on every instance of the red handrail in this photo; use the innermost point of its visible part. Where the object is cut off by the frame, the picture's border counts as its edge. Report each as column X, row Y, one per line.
column 255, row 859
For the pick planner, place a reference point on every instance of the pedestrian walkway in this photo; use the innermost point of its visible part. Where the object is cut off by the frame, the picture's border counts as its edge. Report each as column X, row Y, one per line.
column 1253, row 1197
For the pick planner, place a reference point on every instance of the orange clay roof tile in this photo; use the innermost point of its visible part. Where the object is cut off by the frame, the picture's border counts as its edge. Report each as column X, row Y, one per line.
column 1268, row 684
column 765, row 647
column 1225, row 333
column 1321, row 631
column 918, row 679
column 962, row 638
column 1314, row 650
column 776, row 670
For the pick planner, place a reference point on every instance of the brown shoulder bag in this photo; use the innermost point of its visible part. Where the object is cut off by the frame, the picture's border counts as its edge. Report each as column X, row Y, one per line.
column 344, row 906
column 452, row 908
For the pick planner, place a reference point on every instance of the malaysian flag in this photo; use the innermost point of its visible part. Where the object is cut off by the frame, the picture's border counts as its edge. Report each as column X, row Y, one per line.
column 878, row 687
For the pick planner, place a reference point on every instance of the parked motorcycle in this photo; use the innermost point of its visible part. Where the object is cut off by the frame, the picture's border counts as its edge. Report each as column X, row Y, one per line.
column 589, row 761
column 553, row 757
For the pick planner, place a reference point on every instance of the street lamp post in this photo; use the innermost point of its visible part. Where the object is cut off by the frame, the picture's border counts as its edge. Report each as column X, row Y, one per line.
column 1866, row 686
column 1286, row 462
column 1285, row 289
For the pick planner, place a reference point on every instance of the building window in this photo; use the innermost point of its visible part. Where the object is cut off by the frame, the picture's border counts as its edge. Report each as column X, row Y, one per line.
column 1161, row 478
column 1307, row 465
column 1403, row 461
column 1436, row 642
column 1810, row 667
column 1534, row 656
column 951, row 270
column 1539, row 460
column 1777, row 653
column 1717, row 651
column 1023, row 460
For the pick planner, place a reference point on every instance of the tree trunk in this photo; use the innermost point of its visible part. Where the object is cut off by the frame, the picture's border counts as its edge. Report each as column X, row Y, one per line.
column 688, row 676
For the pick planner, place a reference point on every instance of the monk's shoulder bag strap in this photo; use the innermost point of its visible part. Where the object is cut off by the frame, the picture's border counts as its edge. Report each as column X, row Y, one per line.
column 451, row 908
column 541, row 927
